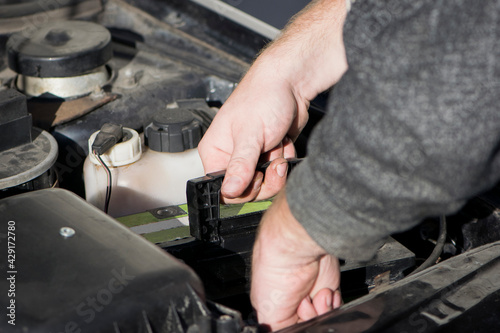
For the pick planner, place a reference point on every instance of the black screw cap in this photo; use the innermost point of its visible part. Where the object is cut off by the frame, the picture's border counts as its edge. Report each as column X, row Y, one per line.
column 60, row 49
column 173, row 130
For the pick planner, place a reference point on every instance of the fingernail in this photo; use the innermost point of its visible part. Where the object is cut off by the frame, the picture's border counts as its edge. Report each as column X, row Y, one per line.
column 337, row 299
column 329, row 300
column 258, row 182
column 281, row 169
column 232, row 184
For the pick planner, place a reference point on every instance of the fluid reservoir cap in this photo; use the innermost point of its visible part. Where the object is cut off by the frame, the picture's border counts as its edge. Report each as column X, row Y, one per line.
column 173, row 130
column 60, row 49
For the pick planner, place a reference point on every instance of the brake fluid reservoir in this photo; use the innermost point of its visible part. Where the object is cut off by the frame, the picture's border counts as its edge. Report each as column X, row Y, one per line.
column 147, row 176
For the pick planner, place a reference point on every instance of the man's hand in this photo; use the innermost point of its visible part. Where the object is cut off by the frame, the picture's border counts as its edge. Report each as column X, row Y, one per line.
column 268, row 109
column 293, row 278
column 254, row 120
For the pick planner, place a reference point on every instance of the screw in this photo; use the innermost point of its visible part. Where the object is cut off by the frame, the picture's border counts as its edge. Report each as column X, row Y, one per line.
column 67, row 232
column 164, row 211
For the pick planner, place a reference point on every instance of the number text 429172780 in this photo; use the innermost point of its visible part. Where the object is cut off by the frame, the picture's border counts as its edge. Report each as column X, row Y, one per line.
column 11, row 271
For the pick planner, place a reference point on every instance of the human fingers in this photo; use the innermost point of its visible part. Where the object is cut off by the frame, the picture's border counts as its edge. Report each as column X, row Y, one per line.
column 274, row 180
column 277, row 172
column 328, row 275
column 215, row 148
column 276, row 292
column 275, row 175
column 272, row 154
column 288, row 148
column 285, row 149
column 323, row 301
column 337, row 299
column 306, row 310
column 241, row 167
column 251, row 191
column 264, row 186
column 298, row 125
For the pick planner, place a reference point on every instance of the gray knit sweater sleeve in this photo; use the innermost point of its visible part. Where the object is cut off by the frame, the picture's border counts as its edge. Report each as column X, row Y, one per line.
column 413, row 128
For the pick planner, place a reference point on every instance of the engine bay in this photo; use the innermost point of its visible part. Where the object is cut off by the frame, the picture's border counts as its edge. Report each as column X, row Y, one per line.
column 102, row 105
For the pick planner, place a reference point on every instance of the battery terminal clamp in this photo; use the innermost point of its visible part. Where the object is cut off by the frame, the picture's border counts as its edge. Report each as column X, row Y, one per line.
column 205, row 222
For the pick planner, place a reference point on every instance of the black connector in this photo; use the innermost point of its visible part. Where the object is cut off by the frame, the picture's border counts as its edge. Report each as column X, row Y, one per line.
column 205, row 222
column 108, row 136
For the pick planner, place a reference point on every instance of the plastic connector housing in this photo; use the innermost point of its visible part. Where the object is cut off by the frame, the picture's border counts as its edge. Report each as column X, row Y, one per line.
column 205, row 222
column 109, row 135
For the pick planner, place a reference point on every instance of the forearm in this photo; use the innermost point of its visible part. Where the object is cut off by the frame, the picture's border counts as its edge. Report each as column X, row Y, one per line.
column 272, row 100
column 309, row 54
column 407, row 139
column 280, row 228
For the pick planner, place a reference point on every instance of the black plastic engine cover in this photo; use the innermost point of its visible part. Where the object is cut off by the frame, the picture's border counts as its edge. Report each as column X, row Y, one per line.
column 75, row 269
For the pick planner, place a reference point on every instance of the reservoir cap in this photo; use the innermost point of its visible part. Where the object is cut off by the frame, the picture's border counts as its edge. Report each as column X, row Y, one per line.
column 122, row 153
column 60, row 49
column 173, row 130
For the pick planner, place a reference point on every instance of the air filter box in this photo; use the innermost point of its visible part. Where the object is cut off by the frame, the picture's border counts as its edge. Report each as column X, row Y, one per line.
column 72, row 268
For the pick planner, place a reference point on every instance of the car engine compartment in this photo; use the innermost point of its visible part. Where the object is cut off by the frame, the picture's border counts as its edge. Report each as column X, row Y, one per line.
column 107, row 100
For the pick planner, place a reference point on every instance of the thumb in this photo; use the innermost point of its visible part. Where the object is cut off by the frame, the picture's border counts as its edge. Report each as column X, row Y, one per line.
column 241, row 169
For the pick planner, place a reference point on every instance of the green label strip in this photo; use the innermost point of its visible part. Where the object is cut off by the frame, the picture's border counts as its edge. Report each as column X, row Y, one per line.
column 179, row 232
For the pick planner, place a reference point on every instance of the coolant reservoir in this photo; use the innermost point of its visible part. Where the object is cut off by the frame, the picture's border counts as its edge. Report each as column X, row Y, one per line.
column 147, row 176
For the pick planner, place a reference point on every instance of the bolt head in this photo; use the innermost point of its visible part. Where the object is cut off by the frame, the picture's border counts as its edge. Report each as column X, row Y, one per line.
column 67, row 232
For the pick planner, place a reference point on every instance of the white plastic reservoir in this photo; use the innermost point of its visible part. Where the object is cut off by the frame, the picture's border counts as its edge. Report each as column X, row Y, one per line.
column 143, row 178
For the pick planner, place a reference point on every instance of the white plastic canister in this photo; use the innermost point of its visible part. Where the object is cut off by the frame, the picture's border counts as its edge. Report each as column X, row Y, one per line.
column 142, row 178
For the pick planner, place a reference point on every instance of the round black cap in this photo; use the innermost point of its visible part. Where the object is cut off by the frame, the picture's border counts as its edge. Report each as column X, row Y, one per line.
column 60, row 49
column 173, row 130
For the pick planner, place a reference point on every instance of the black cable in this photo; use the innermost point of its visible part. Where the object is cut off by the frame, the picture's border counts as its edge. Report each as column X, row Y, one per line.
column 438, row 249
column 109, row 135
column 109, row 185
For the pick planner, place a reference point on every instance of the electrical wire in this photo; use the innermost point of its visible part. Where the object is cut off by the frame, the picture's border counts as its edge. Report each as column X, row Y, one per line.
column 438, row 249
column 109, row 184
